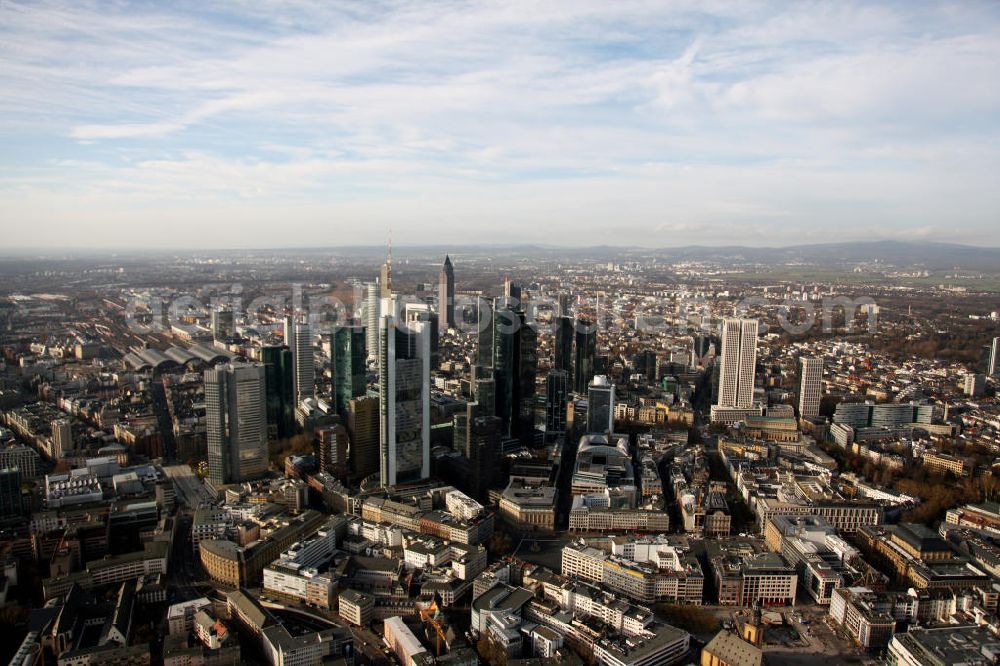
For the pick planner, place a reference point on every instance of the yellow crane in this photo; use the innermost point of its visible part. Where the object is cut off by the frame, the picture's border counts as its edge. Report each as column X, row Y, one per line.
column 429, row 615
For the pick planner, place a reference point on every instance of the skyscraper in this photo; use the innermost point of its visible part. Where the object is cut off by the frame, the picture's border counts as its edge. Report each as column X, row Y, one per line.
column 332, row 442
column 235, row 422
column 485, row 394
column 739, row 362
column 810, row 387
column 11, row 498
column 586, row 354
column 478, row 439
column 484, row 348
column 347, row 349
column 993, row 367
column 527, row 370
column 515, row 364
column 363, row 433
column 446, row 296
column 404, row 395
column 223, row 324
column 511, row 292
column 562, row 307
column 385, row 278
column 600, row 406
column 563, row 348
column 279, row 382
column 556, row 399
column 298, row 338
column 62, row 438
column 372, row 313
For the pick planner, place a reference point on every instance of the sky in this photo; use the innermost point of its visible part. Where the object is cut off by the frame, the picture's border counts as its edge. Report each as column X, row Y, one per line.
column 288, row 124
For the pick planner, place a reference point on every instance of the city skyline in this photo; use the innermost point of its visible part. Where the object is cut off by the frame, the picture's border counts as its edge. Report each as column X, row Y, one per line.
column 585, row 124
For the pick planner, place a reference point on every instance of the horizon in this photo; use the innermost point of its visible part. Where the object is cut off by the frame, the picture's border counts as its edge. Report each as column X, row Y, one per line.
column 446, row 248
column 633, row 124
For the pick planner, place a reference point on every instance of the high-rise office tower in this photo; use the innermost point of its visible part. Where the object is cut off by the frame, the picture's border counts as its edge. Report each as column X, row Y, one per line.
column 332, row 442
column 993, row 366
column 478, row 439
column 20, row 457
column 422, row 312
column 446, row 296
column 700, row 344
column 738, row 363
column 298, row 337
column 975, row 384
column 350, row 372
column 223, row 324
column 372, row 313
column 404, row 395
column 279, row 381
column 62, row 438
column 527, row 371
column 515, row 364
column 484, row 348
column 11, row 499
column 363, row 433
column 586, row 355
column 600, row 406
column 556, row 399
column 562, row 309
column 485, row 395
column 810, row 387
column 511, row 292
column 235, row 422
column 385, row 278
column 563, row 348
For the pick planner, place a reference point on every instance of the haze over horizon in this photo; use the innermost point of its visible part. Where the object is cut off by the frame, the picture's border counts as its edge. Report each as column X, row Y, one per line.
column 576, row 124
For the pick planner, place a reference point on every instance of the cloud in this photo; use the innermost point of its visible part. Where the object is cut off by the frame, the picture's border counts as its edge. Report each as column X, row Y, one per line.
column 691, row 117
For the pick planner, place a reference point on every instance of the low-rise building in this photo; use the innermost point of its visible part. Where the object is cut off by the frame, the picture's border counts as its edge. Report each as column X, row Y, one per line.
column 944, row 646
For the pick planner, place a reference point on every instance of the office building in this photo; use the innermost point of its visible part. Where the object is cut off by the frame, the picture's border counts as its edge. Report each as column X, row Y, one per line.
column 279, row 380
column 385, row 279
column 966, row 645
column 404, row 395
column 563, row 348
column 739, row 361
column 446, row 296
column 298, row 338
column 865, row 615
column 485, row 394
column 601, row 406
column 484, row 320
column 513, row 360
column 975, row 385
column 62, row 438
column 20, row 457
column 556, row 400
column 11, row 500
column 993, row 362
column 236, row 422
column 363, row 434
column 810, row 387
column 586, row 355
column 372, row 313
column 333, row 445
column 223, row 324
column 478, row 439
column 348, row 359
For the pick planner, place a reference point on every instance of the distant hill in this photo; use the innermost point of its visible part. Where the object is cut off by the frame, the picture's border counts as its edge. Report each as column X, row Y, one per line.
column 910, row 255
column 902, row 254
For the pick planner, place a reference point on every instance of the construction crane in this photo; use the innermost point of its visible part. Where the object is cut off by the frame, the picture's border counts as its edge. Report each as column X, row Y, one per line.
column 429, row 615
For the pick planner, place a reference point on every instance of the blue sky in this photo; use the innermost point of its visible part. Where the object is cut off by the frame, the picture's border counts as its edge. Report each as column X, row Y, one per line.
column 229, row 124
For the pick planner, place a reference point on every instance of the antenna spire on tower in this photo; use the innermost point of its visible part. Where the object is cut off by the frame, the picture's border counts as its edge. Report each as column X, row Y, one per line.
column 388, row 261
